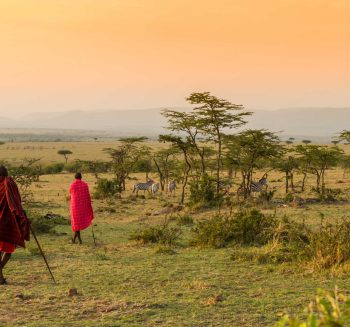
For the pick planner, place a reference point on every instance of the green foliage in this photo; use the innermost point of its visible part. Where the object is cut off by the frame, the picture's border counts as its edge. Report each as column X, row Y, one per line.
column 143, row 165
column 328, row 310
column 106, row 188
column 266, row 195
column 54, row 168
column 203, row 193
column 24, row 175
column 250, row 150
column 329, row 245
column 73, row 167
column 322, row 248
column 185, row 220
column 161, row 234
column 331, row 195
column 125, row 157
column 65, row 153
column 317, row 160
column 345, row 136
column 45, row 225
column 249, row 227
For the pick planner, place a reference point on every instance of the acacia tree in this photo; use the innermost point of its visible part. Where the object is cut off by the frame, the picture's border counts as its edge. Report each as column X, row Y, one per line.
column 125, row 157
column 166, row 163
column 288, row 165
column 65, row 154
column 214, row 117
column 306, row 142
column 187, row 124
column 185, row 146
column 319, row 159
column 248, row 150
column 344, row 136
column 94, row 167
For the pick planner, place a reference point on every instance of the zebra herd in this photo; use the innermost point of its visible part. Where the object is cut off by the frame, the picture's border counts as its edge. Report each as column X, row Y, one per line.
column 153, row 187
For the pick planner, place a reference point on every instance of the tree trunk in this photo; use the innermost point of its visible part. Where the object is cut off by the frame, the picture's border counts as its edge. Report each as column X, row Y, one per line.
column 185, row 179
column 303, row 182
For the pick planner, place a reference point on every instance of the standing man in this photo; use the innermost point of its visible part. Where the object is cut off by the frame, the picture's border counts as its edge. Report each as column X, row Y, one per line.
column 80, row 207
column 14, row 224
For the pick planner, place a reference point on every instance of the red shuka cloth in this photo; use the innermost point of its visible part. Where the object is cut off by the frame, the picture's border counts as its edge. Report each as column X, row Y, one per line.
column 80, row 205
column 14, row 224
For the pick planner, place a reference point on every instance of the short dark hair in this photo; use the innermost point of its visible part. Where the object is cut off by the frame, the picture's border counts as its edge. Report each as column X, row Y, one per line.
column 78, row 176
column 3, row 171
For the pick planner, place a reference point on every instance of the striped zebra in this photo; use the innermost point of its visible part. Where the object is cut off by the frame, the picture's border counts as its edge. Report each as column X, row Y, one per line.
column 254, row 186
column 224, row 186
column 172, row 187
column 142, row 186
column 155, row 188
column 258, row 186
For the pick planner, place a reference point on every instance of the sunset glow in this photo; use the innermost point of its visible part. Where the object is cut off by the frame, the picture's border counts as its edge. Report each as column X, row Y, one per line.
column 110, row 54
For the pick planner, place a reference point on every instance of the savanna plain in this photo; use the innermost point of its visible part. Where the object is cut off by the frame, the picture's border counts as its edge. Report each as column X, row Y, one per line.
column 121, row 280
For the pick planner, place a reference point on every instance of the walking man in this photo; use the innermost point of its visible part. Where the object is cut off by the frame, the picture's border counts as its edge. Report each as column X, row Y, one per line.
column 80, row 207
column 14, row 224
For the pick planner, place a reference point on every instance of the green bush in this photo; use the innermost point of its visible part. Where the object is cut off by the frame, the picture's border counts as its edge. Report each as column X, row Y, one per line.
column 321, row 248
column 161, row 234
column 249, row 227
column 267, row 195
column 106, row 188
column 184, row 220
column 328, row 310
column 73, row 167
column 55, row 168
column 203, row 193
column 331, row 195
column 42, row 224
column 329, row 245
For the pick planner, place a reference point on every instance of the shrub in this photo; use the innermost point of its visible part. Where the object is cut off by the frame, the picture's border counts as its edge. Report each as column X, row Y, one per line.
column 184, row 220
column 249, row 227
column 330, row 195
column 42, row 224
column 55, row 168
column 73, row 167
column 203, row 193
column 332, row 310
column 267, row 196
column 289, row 198
column 161, row 234
column 322, row 248
column 329, row 245
column 106, row 188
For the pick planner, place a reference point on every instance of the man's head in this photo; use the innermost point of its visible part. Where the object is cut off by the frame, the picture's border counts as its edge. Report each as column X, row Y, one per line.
column 78, row 176
column 3, row 172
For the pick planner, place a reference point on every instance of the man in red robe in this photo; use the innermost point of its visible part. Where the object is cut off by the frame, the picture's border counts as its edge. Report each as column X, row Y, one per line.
column 80, row 207
column 14, row 224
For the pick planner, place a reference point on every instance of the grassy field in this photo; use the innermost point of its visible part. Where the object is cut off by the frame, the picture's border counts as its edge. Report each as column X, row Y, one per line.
column 121, row 283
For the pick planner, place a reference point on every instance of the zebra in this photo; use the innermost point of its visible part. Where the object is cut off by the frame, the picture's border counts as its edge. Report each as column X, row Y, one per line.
column 254, row 186
column 258, row 186
column 142, row 186
column 172, row 187
column 224, row 186
column 155, row 188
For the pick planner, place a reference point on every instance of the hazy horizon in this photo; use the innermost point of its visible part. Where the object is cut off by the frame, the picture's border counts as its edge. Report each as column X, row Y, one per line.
column 63, row 55
column 22, row 115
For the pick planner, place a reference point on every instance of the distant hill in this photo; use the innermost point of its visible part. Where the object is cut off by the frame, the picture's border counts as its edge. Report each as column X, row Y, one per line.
column 319, row 123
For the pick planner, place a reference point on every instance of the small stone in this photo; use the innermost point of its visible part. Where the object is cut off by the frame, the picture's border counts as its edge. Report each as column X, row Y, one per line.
column 19, row 296
column 73, row 292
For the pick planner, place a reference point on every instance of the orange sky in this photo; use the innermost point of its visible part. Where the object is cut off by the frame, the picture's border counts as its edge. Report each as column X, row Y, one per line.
column 114, row 54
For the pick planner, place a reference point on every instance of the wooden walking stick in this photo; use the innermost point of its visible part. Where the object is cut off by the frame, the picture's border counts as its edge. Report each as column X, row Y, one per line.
column 93, row 234
column 42, row 253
